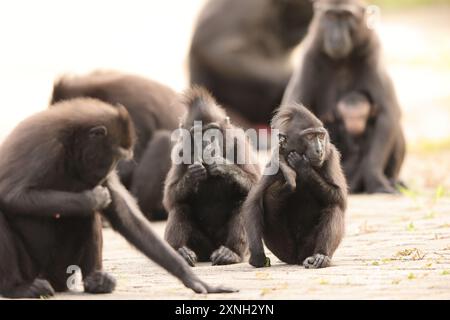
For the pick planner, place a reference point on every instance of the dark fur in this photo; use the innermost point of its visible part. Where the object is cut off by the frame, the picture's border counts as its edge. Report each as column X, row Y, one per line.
column 298, row 212
column 204, row 201
column 155, row 111
column 51, row 165
column 327, row 73
column 241, row 52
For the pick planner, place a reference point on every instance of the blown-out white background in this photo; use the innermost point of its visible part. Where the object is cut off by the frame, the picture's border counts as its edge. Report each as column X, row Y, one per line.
column 41, row 39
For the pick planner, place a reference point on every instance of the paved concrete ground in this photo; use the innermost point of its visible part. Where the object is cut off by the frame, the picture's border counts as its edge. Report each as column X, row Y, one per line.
column 397, row 247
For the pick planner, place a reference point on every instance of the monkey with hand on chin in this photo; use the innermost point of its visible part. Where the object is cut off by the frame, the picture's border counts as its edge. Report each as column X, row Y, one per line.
column 299, row 210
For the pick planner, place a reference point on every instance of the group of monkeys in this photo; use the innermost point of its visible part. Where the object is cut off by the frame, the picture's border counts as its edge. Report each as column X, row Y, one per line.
column 64, row 169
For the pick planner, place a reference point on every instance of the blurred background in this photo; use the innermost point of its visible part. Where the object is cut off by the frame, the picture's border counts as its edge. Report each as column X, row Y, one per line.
column 40, row 40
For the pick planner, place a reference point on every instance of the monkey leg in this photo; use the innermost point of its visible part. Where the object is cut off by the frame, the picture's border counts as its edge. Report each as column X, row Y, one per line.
column 235, row 245
column 324, row 240
column 17, row 272
column 149, row 175
column 94, row 279
column 395, row 161
column 186, row 237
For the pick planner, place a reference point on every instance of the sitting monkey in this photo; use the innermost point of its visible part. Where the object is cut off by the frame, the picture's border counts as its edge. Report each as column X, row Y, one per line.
column 204, row 198
column 299, row 210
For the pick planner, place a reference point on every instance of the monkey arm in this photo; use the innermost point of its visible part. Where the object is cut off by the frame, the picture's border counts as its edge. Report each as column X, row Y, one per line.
column 125, row 217
column 49, row 203
column 178, row 236
column 385, row 131
column 300, row 90
column 178, row 190
column 328, row 192
column 329, row 185
column 330, row 231
column 236, row 235
column 381, row 144
column 236, row 175
column 253, row 215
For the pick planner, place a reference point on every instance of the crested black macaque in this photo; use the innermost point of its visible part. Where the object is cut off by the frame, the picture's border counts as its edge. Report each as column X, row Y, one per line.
column 342, row 55
column 56, row 176
column 241, row 52
column 204, row 198
column 351, row 124
column 155, row 111
column 299, row 211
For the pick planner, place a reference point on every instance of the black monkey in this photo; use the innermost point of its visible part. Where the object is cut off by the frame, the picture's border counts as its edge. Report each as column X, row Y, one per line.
column 204, row 198
column 299, row 211
column 350, row 125
column 155, row 111
column 241, row 52
column 56, row 174
column 342, row 55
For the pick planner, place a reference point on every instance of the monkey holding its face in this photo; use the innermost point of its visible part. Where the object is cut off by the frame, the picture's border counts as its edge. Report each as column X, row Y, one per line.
column 299, row 210
column 204, row 198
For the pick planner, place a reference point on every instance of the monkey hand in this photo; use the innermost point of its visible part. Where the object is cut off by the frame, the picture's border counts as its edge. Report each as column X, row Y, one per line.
column 197, row 172
column 259, row 261
column 218, row 167
column 299, row 163
column 198, row 286
column 100, row 197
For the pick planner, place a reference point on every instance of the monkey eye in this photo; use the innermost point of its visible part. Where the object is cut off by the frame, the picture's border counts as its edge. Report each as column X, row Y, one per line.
column 310, row 136
column 321, row 135
column 99, row 131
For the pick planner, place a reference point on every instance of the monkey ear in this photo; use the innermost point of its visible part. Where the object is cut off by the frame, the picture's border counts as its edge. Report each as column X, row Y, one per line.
column 98, row 131
column 282, row 139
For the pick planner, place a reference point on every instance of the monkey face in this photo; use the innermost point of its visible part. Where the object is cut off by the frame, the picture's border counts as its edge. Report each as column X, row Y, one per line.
column 315, row 141
column 354, row 110
column 341, row 24
column 311, row 143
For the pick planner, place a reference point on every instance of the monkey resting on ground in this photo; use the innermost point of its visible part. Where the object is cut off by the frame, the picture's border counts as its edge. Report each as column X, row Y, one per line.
column 204, row 198
column 56, row 174
column 299, row 211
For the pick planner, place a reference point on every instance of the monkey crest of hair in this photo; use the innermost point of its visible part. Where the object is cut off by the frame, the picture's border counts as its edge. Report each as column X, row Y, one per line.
column 201, row 107
column 286, row 114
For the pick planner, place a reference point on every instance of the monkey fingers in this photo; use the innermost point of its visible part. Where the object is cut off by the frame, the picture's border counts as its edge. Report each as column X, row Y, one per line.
column 188, row 255
column 216, row 169
column 194, row 283
column 223, row 256
column 317, row 261
column 298, row 162
column 100, row 197
column 197, row 171
column 99, row 282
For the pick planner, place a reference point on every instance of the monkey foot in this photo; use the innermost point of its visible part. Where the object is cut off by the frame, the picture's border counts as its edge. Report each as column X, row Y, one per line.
column 39, row 288
column 259, row 261
column 317, row 261
column 188, row 255
column 99, row 282
column 223, row 256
